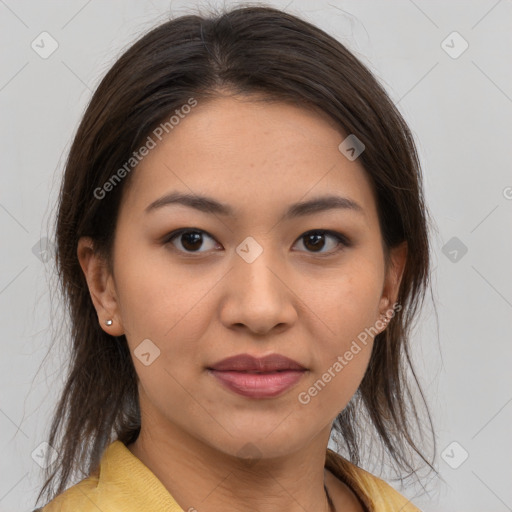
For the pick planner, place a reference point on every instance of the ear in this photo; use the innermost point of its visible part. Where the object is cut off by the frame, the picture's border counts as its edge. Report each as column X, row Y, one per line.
column 393, row 278
column 101, row 286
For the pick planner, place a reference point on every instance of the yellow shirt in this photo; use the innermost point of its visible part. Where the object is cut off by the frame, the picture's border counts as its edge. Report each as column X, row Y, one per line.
column 124, row 483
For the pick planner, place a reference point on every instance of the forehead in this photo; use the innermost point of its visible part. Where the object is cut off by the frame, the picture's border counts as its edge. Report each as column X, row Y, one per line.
column 256, row 156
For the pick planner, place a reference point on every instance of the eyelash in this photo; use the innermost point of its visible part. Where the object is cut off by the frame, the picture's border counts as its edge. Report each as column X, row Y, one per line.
column 343, row 241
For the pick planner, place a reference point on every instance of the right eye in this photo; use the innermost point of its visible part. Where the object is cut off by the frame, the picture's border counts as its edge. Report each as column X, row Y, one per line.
column 190, row 239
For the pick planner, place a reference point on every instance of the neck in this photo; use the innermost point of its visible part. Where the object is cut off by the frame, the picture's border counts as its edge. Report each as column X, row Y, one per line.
column 330, row 504
column 200, row 477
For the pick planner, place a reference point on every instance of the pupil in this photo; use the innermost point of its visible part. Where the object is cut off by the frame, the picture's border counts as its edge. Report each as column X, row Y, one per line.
column 317, row 240
column 191, row 239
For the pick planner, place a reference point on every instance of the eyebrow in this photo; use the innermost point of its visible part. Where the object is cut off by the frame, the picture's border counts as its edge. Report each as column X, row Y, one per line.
column 210, row 205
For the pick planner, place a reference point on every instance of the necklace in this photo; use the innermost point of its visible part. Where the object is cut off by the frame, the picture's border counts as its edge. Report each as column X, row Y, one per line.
column 329, row 500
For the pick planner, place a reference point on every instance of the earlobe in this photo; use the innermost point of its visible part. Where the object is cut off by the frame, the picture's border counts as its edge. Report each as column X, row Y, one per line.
column 101, row 287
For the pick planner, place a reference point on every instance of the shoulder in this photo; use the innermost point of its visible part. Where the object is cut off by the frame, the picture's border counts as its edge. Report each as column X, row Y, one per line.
column 376, row 494
column 384, row 497
column 97, row 491
column 83, row 496
column 122, row 483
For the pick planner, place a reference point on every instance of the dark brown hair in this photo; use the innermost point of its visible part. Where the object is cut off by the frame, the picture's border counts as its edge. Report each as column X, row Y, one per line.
column 245, row 50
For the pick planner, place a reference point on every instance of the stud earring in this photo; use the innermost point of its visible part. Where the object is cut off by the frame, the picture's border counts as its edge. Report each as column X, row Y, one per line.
column 108, row 322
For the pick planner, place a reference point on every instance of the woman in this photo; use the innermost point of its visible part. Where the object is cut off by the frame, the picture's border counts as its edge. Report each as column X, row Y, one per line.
column 242, row 241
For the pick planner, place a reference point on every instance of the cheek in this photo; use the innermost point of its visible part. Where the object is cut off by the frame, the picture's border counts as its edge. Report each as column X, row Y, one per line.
column 343, row 344
column 348, row 302
column 170, row 307
column 154, row 297
column 347, row 306
column 330, row 391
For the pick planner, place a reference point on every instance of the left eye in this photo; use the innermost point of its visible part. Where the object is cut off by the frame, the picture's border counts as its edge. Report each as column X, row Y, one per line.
column 316, row 239
column 192, row 239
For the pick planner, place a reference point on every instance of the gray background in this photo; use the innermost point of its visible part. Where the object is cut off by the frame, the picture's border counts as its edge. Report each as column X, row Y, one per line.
column 459, row 110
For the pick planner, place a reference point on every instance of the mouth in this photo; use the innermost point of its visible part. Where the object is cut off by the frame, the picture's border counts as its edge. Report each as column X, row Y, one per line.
column 255, row 372
column 257, row 377
column 251, row 364
column 258, row 385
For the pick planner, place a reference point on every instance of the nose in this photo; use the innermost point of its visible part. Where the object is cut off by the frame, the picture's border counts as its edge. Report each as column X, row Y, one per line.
column 258, row 297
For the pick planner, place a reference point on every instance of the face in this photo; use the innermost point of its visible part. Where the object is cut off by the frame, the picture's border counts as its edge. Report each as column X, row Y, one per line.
column 191, row 287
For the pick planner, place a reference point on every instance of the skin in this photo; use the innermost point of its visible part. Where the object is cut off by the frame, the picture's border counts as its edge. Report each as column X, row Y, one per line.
column 201, row 306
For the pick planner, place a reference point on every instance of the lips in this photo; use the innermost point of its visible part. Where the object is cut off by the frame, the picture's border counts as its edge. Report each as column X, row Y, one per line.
column 248, row 363
column 258, row 378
